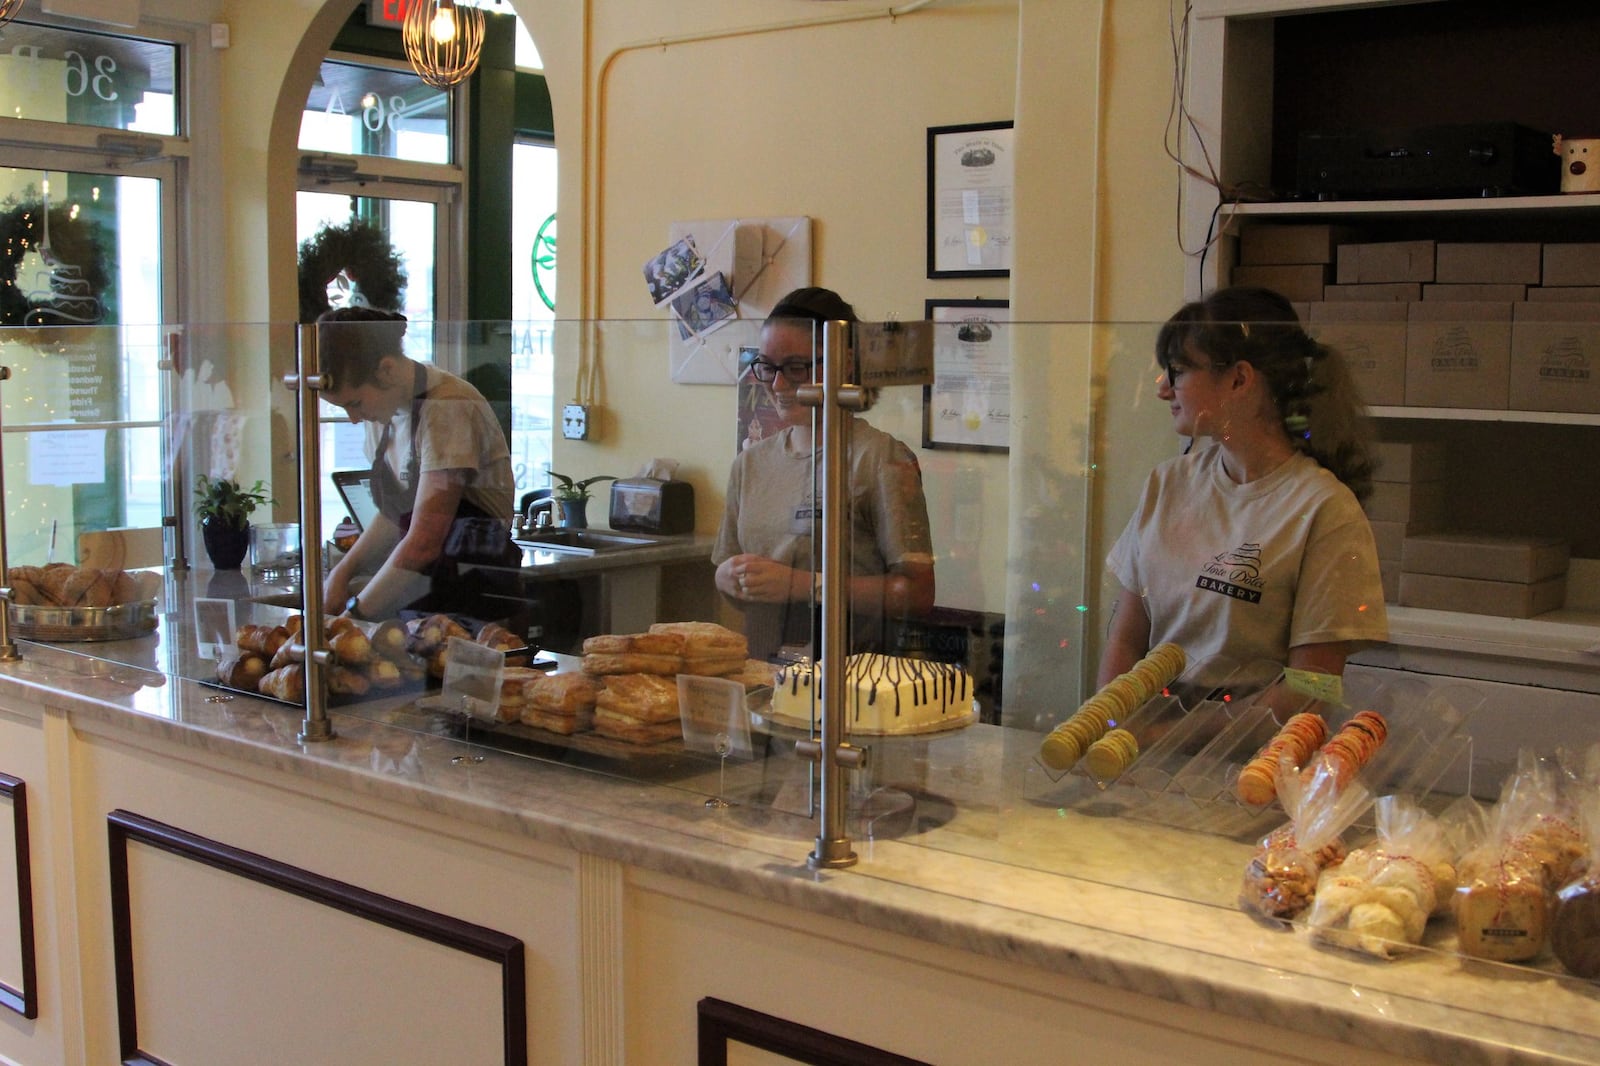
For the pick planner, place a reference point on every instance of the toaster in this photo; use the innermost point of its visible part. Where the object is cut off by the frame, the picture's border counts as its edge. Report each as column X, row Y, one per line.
column 651, row 505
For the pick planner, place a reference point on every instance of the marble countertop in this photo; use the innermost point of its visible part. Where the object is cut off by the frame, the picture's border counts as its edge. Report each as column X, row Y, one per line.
column 961, row 841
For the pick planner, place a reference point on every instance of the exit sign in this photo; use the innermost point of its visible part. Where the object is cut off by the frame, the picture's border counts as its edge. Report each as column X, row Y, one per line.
column 390, row 13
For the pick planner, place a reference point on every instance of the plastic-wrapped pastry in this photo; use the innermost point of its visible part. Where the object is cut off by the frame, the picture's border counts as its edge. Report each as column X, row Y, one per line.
column 1280, row 880
column 1380, row 898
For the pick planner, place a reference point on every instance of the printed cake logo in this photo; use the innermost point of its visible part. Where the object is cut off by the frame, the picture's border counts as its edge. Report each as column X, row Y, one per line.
column 1564, row 361
column 1454, row 350
column 1235, row 573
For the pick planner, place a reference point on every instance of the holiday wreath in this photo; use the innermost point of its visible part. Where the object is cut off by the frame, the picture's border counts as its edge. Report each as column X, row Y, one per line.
column 363, row 253
column 70, row 286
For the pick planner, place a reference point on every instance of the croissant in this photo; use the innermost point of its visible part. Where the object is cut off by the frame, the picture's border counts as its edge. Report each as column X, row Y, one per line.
column 286, row 683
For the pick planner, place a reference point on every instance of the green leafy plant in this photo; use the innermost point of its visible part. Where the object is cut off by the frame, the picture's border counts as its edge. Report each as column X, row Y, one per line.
column 566, row 488
column 225, row 500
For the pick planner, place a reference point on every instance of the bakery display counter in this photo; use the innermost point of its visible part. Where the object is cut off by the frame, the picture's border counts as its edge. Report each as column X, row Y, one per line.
column 966, row 844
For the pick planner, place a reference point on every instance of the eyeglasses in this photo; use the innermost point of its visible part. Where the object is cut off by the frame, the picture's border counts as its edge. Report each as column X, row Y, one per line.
column 1175, row 371
column 798, row 371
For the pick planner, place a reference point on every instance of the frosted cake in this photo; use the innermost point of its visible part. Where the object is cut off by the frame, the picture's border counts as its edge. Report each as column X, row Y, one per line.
column 884, row 695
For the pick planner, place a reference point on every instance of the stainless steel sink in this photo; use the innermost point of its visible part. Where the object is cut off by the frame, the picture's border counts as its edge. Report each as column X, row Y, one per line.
column 581, row 541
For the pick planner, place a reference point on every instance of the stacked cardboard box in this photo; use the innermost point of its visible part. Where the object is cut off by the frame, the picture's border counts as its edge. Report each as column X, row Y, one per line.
column 1293, row 259
column 1505, row 576
column 1408, row 497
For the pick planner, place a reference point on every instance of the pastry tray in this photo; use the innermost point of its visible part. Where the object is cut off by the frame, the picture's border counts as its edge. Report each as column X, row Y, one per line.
column 68, row 624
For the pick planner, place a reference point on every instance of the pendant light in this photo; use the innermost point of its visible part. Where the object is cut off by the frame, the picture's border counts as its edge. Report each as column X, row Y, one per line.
column 9, row 10
column 443, row 40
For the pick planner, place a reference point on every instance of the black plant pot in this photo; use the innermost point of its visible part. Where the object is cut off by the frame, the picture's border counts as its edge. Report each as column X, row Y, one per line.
column 225, row 544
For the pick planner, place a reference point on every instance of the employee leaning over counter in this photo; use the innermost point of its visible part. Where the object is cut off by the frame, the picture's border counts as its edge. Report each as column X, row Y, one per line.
column 764, row 556
column 1253, row 544
column 441, row 472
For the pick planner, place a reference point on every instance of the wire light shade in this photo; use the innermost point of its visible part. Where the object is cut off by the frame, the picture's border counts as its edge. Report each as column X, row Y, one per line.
column 9, row 10
column 443, row 40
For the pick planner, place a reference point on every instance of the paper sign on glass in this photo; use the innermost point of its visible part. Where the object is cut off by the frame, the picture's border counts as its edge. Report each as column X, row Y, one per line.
column 472, row 676
column 714, row 715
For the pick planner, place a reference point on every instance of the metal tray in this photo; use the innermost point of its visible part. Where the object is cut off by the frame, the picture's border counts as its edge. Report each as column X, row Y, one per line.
column 120, row 622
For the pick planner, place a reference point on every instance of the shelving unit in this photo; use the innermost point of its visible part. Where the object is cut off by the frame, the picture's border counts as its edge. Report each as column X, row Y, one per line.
column 1260, row 73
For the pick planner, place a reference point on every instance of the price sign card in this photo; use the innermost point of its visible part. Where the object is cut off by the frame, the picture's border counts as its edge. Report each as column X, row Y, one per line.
column 472, row 676
column 714, row 715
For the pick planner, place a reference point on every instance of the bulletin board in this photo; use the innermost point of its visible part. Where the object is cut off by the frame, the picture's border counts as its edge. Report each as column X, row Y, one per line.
column 760, row 260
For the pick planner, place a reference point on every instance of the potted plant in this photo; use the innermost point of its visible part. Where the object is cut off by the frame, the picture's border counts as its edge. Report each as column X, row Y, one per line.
column 572, row 498
column 224, row 509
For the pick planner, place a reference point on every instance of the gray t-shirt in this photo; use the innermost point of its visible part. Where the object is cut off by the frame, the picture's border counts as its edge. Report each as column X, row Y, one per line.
column 456, row 430
column 772, row 510
column 1250, row 571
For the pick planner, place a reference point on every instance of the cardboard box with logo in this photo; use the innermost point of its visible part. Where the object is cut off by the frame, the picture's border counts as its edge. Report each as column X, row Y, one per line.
column 1372, row 339
column 1555, row 357
column 1458, row 354
column 1385, row 261
column 1489, row 262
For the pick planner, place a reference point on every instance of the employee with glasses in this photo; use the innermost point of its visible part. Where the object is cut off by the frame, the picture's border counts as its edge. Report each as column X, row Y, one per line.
column 1253, row 544
column 768, row 548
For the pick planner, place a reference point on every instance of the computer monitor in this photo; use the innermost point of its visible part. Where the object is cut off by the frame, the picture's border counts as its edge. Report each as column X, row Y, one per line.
column 355, row 488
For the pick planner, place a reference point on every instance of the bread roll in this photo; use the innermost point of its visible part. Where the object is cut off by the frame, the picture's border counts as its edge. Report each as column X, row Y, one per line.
column 384, row 674
column 290, row 651
column 343, row 681
column 389, row 640
column 351, row 646
column 242, row 671
column 261, row 639
column 285, row 683
column 124, row 588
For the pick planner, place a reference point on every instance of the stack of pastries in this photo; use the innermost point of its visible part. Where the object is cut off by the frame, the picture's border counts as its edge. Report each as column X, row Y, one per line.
column 628, row 687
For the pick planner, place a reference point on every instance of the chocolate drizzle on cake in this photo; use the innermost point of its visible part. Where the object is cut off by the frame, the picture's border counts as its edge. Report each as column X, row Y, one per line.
column 924, row 685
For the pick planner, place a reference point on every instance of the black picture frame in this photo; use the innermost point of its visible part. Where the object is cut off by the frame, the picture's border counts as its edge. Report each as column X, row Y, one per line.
column 936, row 429
column 959, row 158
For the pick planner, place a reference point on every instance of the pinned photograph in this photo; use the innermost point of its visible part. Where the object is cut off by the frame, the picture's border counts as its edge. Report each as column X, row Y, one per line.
column 678, row 265
column 706, row 307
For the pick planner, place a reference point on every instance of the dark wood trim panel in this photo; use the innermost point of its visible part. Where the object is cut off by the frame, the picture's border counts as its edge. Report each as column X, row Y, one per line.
column 24, row 1000
column 500, row 948
column 721, row 1022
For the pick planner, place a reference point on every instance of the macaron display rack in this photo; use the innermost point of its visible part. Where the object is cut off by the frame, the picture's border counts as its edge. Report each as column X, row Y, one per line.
column 1195, row 737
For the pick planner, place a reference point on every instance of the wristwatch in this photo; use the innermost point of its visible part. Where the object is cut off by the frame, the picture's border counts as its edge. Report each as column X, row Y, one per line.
column 352, row 607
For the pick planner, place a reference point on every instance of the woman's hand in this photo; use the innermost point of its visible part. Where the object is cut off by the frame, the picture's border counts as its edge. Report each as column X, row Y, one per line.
column 757, row 579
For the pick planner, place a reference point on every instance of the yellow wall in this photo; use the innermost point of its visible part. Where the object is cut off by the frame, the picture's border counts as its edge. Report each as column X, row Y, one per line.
column 729, row 108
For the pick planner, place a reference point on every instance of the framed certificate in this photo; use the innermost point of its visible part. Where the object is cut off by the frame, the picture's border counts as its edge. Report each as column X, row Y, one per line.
column 969, row 403
column 971, row 212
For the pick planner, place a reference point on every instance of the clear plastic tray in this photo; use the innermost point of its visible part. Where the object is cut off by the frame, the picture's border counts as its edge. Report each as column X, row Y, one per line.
column 1196, row 736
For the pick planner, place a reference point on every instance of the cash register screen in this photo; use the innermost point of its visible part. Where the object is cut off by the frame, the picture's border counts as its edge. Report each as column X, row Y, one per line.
column 355, row 488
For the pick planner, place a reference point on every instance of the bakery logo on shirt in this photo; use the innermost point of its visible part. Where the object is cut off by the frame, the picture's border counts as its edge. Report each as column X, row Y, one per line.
column 1235, row 573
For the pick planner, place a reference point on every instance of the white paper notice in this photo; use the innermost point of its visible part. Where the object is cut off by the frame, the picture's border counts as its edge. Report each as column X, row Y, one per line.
column 67, row 457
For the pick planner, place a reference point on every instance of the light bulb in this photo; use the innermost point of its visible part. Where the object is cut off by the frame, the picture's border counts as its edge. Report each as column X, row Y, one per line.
column 443, row 27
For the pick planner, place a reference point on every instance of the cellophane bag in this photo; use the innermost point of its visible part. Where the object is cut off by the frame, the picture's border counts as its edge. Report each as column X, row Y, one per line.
column 1575, row 922
column 1503, row 902
column 1280, row 880
column 1379, row 900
